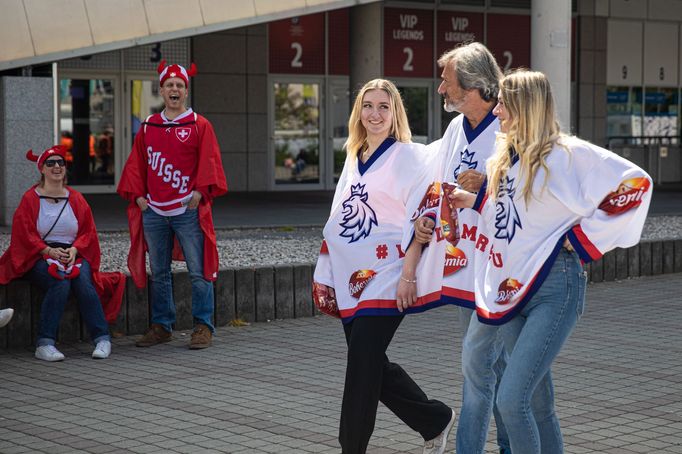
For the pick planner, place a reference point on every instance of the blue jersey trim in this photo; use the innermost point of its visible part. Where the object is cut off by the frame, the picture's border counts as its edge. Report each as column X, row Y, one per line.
column 457, row 301
column 376, row 312
column 481, row 196
column 472, row 133
column 385, row 145
column 585, row 257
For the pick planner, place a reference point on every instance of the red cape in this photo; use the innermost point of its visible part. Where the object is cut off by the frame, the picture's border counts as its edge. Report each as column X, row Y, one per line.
column 26, row 246
column 210, row 181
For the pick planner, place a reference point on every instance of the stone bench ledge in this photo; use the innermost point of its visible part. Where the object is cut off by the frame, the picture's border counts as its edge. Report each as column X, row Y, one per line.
column 271, row 292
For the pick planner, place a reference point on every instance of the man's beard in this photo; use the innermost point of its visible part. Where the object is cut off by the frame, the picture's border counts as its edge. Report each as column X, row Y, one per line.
column 449, row 106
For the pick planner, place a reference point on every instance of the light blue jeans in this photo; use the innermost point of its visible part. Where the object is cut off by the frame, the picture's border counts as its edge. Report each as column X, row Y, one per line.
column 465, row 317
column 159, row 232
column 534, row 338
column 525, row 394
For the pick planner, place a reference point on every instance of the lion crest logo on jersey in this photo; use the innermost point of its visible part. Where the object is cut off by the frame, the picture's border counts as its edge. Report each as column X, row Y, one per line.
column 183, row 134
column 466, row 162
column 358, row 216
column 506, row 217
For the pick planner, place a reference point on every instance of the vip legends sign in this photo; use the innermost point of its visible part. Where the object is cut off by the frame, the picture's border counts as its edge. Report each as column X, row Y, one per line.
column 408, row 42
column 455, row 28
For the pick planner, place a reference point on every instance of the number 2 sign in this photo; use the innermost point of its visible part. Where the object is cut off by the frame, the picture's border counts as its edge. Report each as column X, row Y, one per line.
column 508, row 38
column 408, row 42
column 297, row 45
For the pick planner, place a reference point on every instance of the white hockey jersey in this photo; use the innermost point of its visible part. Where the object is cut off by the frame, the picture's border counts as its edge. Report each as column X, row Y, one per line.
column 446, row 269
column 596, row 199
column 361, row 257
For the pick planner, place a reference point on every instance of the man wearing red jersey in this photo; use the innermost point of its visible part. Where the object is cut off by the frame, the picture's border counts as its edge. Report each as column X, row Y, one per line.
column 170, row 179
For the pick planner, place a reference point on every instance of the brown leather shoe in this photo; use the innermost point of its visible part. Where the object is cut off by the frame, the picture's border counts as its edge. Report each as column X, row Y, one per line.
column 201, row 337
column 155, row 335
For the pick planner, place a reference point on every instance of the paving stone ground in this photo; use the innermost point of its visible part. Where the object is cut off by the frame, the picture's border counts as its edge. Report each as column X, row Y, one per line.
column 276, row 387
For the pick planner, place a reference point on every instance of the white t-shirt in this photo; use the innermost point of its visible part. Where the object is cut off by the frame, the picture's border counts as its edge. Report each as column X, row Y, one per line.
column 66, row 229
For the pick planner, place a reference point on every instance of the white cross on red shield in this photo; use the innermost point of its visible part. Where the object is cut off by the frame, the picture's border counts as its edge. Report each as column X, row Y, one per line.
column 183, row 133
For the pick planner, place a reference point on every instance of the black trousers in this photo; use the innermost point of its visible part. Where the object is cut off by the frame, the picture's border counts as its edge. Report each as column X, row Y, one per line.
column 371, row 377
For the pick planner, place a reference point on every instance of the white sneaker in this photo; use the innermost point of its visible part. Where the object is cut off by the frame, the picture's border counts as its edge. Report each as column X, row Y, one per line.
column 5, row 316
column 437, row 445
column 102, row 350
column 49, row 353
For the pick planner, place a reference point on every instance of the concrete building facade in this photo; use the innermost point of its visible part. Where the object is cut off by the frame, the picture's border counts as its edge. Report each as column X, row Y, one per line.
column 277, row 86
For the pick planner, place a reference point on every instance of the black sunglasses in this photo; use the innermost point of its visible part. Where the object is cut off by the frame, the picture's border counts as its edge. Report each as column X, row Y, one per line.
column 52, row 162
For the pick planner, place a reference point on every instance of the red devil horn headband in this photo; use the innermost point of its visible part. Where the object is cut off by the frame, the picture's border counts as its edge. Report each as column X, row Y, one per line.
column 175, row 71
column 57, row 150
column 30, row 156
column 191, row 72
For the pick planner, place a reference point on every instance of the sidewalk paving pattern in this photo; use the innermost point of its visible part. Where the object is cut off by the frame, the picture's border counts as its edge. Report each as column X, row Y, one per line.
column 276, row 387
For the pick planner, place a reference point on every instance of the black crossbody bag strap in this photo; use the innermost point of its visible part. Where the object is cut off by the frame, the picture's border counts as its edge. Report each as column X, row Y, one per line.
column 66, row 201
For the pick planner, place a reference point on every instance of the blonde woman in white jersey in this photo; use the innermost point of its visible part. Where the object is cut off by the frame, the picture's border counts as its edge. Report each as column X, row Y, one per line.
column 551, row 202
column 373, row 280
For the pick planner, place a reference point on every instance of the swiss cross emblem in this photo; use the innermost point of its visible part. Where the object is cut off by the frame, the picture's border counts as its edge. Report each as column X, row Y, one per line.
column 172, row 74
column 183, row 133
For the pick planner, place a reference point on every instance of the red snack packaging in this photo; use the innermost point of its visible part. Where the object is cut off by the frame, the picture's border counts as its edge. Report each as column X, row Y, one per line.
column 324, row 301
column 449, row 218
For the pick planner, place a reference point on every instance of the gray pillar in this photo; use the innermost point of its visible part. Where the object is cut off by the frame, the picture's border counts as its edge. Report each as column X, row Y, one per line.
column 26, row 106
column 366, row 27
column 550, row 50
column 591, row 77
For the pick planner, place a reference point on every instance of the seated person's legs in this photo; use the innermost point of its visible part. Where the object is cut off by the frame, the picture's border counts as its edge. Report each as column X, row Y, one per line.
column 89, row 303
column 51, row 310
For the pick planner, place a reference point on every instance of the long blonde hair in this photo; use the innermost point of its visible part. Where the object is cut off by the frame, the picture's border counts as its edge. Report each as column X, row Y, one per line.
column 400, row 129
column 532, row 132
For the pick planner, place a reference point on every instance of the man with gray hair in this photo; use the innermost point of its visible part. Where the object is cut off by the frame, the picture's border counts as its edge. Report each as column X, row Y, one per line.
column 470, row 84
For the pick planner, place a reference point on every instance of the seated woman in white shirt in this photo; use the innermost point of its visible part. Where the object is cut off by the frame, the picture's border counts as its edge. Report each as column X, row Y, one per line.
column 54, row 243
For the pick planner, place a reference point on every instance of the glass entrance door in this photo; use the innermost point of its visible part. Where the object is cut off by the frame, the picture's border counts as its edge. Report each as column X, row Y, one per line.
column 87, row 124
column 297, row 135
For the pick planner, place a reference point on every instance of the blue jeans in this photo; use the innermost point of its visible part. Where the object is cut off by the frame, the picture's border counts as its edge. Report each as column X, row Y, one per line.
column 159, row 232
column 56, row 297
column 534, row 338
column 465, row 316
column 483, row 345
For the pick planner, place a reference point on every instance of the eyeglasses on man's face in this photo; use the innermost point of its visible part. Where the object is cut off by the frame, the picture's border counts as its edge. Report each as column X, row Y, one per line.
column 52, row 162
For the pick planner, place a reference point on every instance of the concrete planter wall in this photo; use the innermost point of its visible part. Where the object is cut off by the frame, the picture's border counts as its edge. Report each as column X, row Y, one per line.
column 261, row 294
